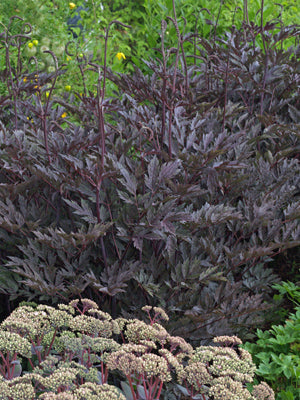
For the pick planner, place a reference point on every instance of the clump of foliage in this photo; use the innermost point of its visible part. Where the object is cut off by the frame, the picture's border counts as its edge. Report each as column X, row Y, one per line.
column 69, row 352
column 55, row 23
column 177, row 191
column 276, row 351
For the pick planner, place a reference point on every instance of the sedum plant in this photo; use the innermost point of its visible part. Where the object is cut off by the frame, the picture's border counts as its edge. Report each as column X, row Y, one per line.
column 71, row 352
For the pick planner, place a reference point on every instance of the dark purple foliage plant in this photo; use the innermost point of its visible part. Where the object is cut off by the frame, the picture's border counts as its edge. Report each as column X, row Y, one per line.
column 177, row 191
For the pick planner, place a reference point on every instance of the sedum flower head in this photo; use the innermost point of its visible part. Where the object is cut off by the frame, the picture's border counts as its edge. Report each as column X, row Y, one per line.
column 225, row 388
column 240, row 370
column 155, row 366
column 263, row 392
column 195, row 374
column 90, row 325
column 67, row 308
column 126, row 362
column 49, row 364
column 58, row 396
column 227, row 340
column 174, row 362
column 27, row 321
column 70, row 343
column 11, row 342
column 90, row 391
column 100, row 314
column 245, row 355
column 100, row 344
column 88, row 304
column 74, row 303
column 121, row 322
column 138, row 331
column 59, row 318
column 137, row 349
column 21, row 391
column 159, row 312
column 179, row 345
column 162, row 314
column 63, row 376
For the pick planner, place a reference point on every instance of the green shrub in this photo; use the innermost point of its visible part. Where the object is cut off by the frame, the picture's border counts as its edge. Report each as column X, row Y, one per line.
column 276, row 351
column 70, row 353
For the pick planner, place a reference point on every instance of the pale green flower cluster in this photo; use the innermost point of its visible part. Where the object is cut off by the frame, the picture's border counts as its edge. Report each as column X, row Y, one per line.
column 240, row 370
column 227, row 340
column 128, row 363
column 159, row 313
column 90, row 325
column 81, row 332
column 149, row 365
column 180, row 346
column 174, row 362
column 21, row 391
column 225, row 388
column 263, row 392
column 87, row 391
column 11, row 342
column 137, row 330
column 225, row 361
column 155, row 366
column 195, row 374
column 27, row 321
column 61, row 377
column 222, row 372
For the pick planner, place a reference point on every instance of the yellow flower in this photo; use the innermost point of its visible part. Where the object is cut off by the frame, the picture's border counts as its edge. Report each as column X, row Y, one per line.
column 30, row 45
column 25, row 79
column 47, row 94
column 72, row 5
column 67, row 88
column 120, row 56
column 64, row 115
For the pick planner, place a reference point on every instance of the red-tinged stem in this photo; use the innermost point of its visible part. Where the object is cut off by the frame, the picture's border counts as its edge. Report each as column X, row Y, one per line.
column 145, row 389
column 105, row 375
column 31, row 363
column 3, row 358
column 7, row 365
column 102, row 372
column 51, row 344
column 131, row 387
column 160, row 389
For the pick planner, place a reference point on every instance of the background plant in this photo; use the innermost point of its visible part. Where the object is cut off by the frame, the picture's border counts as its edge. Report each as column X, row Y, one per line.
column 276, row 351
column 51, row 30
column 177, row 191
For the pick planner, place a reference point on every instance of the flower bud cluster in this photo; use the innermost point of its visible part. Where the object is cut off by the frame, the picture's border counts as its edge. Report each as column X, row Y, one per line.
column 195, row 374
column 155, row 366
column 263, row 392
column 91, row 326
column 89, row 391
column 228, row 341
column 22, row 391
column 128, row 363
column 137, row 331
column 11, row 342
column 225, row 388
